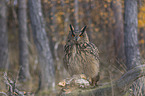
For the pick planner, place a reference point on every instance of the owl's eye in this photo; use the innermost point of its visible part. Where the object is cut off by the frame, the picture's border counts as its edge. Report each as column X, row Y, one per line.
column 80, row 36
column 73, row 35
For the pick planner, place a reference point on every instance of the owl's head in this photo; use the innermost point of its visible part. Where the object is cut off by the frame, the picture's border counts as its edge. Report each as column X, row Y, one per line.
column 77, row 36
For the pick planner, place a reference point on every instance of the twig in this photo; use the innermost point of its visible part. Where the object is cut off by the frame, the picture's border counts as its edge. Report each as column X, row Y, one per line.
column 12, row 86
column 7, row 81
column 3, row 93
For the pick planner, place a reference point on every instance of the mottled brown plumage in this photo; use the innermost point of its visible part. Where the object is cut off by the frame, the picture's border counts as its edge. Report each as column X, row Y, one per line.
column 81, row 56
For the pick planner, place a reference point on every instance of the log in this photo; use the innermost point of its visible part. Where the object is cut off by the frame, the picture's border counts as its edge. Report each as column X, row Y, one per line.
column 115, row 88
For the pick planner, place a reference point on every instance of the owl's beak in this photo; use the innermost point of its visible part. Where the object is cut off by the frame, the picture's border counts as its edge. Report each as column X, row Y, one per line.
column 76, row 38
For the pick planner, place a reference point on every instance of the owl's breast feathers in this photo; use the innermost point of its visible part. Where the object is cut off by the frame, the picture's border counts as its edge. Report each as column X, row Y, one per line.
column 82, row 58
column 77, row 49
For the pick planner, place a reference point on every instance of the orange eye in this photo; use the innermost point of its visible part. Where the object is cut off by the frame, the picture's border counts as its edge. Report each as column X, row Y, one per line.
column 73, row 35
column 80, row 36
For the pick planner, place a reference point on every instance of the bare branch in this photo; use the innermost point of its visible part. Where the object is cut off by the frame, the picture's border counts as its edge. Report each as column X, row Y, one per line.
column 7, row 82
column 12, row 86
column 3, row 93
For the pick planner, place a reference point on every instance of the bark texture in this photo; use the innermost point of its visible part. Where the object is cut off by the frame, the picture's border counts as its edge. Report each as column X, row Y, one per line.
column 118, row 30
column 76, row 14
column 131, row 41
column 3, row 36
column 23, row 41
column 42, row 44
column 119, row 87
column 53, row 25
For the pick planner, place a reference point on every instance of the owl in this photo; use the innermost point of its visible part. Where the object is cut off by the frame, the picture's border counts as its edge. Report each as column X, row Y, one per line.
column 81, row 56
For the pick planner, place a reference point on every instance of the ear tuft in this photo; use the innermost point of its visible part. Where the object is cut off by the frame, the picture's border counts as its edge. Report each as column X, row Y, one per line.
column 71, row 28
column 83, row 29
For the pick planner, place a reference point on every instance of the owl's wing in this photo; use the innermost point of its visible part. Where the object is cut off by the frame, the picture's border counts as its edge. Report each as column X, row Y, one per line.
column 92, row 49
column 66, row 55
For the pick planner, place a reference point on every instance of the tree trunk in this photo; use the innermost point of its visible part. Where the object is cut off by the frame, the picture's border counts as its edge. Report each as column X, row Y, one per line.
column 42, row 44
column 24, row 74
column 76, row 14
column 89, row 19
column 118, row 30
column 3, row 36
column 53, row 37
column 131, row 41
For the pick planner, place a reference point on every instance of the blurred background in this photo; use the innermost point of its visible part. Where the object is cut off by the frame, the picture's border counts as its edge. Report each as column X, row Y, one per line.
column 20, row 48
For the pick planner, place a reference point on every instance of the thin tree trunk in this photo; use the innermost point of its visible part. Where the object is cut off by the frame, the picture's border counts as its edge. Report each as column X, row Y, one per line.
column 53, row 17
column 87, row 6
column 3, row 36
column 66, row 16
column 76, row 14
column 118, row 30
column 53, row 25
column 42, row 44
column 24, row 74
column 131, row 41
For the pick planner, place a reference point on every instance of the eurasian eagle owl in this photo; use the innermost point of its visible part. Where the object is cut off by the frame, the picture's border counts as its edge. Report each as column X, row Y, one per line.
column 81, row 56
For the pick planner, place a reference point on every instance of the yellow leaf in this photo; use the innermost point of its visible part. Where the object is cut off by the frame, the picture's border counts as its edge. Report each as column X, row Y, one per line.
column 142, row 8
column 141, row 41
column 67, row 1
column 105, row 6
column 59, row 19
column 45, row 1
column 140, row 23
column 109, row 1
column 61, row 13
column 96, row 29
column 61, row 33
